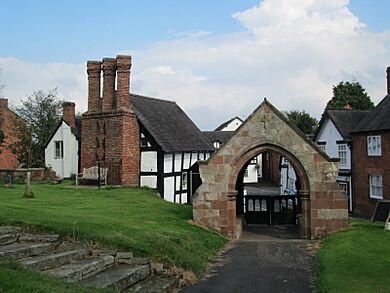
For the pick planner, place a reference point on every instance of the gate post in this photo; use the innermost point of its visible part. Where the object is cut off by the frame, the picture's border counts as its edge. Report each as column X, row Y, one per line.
column 305, row 224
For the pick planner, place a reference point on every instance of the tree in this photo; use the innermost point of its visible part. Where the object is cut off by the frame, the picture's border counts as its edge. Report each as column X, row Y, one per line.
column 2, row 136
column 303, row 121
column 42, row 111
column 352, row 94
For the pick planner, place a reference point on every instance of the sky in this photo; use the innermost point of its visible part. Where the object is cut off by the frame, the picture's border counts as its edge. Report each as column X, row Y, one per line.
column 217, row 59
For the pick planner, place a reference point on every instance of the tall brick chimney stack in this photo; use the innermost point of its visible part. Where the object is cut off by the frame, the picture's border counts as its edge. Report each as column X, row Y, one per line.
column 388, row 80
column 93, row 70
column 109, row 74
column 123, row 65
column 69, row 114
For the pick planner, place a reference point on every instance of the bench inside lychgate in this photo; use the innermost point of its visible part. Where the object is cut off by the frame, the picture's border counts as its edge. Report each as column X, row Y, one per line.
column 270, row 209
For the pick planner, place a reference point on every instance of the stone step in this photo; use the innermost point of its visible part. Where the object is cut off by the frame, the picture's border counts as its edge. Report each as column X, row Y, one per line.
column 22, row 250
column 39, row 237
column 45, row 262
column 118, row 277
column 81, row 269
column 155, row 284
column 9, row 229
column 6, row 239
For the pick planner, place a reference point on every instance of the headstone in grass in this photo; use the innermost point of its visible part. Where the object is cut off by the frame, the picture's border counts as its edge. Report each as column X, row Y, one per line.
column 28, row 192
column 387, row 224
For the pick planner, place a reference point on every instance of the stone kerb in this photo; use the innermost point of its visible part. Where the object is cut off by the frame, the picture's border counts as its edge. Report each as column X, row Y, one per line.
column 263, row 131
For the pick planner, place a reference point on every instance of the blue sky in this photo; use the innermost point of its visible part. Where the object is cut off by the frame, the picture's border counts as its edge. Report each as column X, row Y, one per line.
column 221, row 52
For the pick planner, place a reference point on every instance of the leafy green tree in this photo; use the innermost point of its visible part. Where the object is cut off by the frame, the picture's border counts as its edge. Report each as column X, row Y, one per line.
column 2, row 136
column 352, row 94
column 42, row 110
column 303, row 121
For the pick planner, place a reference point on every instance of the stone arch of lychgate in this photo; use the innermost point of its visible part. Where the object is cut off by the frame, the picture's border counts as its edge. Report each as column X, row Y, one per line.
column 324, row 205
column 239, row 163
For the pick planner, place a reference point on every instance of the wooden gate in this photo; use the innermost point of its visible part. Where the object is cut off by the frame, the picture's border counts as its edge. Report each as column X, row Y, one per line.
column 270, row 209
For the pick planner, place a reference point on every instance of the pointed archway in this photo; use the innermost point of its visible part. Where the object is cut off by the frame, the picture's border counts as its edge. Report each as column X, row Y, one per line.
column 324, row 204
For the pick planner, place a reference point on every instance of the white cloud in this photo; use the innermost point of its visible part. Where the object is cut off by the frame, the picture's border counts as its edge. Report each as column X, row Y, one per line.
column 292, row 52
column 22, row 78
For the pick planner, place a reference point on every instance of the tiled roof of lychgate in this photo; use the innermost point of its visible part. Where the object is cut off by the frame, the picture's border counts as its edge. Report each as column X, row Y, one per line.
column 376, row 120
column 172, row 129
column 220, row 136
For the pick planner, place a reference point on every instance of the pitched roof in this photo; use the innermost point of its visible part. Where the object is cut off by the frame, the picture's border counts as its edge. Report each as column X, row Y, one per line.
column 285, row 120
column 344, row 121
column 172, row 129
column 223, row 125
column 76, row 131
column 377, row 119
column 220, row 136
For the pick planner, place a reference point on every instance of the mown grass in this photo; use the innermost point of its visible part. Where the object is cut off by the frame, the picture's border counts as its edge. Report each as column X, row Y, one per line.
column 132, row 219
column 15, row 279
column 355, row 260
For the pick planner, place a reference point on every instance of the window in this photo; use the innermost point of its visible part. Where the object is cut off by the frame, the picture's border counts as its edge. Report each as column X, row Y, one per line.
column 376, row 189
column 343, row 154
column 59, row 150
column 246, row 174
column 374, row 145
column 344, row 186
column 216, row 144
column 184, row 180
column 322, row 145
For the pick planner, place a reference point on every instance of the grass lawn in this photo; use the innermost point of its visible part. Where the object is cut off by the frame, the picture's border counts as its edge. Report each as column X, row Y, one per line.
column 355, row 260
column 133, row 219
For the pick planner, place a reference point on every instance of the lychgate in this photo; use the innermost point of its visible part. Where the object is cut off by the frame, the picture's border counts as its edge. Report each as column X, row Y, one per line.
column 320, row 205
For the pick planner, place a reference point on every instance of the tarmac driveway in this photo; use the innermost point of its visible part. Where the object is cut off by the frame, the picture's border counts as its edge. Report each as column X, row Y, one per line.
column 260, row 264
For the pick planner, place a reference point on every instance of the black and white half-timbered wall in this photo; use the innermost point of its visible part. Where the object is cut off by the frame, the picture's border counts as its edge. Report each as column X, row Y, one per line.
column 170, row 145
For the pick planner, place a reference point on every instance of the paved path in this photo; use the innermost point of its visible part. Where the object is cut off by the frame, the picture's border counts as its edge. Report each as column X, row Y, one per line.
column 260, row 264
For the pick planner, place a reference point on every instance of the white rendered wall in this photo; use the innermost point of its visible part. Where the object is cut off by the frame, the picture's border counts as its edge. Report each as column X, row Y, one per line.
column 252, row 174
column 68, row 165
column 233, row 125
column 331, row 135
column 169, row 189
column 168, row 163
column 286, row 175
column 148, row 161
column 149, row 181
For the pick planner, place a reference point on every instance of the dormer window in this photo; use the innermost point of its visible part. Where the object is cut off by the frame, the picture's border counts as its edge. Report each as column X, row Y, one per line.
column 216, row 144
column 374, row 145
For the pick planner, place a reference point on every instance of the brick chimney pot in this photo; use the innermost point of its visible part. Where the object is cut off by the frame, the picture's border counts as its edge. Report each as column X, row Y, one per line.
column 93, row 70
column 109, row 74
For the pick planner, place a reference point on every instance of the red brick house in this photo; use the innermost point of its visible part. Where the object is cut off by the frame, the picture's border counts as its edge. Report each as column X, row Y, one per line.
column 371, row 157
column 7, row 159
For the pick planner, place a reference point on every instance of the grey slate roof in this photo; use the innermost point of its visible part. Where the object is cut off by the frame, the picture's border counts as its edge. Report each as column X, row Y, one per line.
column 223, row 125
column 344, row 120
column 220, row 136
column 378, row 119
column 172, row 129
column 77, row 130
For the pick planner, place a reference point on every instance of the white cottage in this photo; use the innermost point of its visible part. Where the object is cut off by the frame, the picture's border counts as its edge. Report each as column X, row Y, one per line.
column 332, row 136
column 62, row 149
